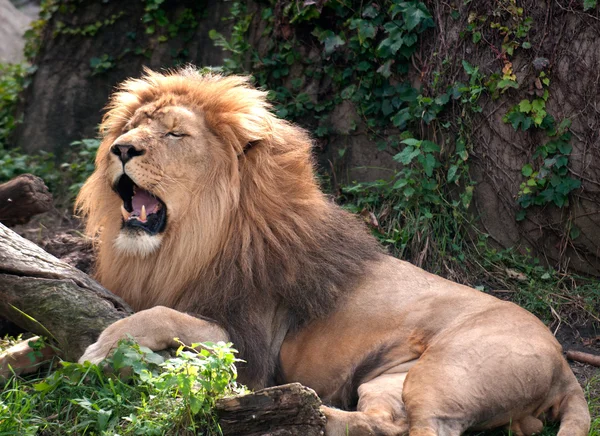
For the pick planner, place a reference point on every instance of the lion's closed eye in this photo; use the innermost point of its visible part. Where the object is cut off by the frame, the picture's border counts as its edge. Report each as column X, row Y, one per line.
column 175, row 135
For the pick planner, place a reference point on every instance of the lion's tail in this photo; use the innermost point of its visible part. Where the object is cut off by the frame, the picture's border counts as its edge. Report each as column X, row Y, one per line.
column 573, row 412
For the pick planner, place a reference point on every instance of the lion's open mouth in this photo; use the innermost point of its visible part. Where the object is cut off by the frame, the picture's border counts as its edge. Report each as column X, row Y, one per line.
column 141, row 209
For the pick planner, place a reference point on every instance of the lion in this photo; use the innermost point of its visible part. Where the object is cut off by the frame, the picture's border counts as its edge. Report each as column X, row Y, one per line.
column 212, row 226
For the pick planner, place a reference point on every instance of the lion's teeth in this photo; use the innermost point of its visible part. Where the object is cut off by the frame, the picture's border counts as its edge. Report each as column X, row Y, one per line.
column 124, row 212
column 143, row 214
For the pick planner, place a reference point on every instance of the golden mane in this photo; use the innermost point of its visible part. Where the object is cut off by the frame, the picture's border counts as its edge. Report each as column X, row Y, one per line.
column 258, row 234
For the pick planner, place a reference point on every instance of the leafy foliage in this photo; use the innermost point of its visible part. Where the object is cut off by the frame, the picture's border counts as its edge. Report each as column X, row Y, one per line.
column 551, row 182
column 102, row 64
column 13, row 78
column 152, row 396
column 589, row 4
column 63, row 179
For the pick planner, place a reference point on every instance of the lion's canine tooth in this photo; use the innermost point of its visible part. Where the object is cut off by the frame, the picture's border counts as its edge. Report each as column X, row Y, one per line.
column 143, row 214
column 124, row 212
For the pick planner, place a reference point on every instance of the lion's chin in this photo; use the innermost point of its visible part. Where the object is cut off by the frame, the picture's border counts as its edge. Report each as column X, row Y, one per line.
column 136, row 243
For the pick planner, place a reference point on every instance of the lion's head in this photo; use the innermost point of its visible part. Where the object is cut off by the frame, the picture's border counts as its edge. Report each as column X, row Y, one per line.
column 173, row 153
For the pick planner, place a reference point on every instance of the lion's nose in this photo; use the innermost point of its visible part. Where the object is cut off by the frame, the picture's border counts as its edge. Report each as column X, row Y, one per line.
column 125, row 152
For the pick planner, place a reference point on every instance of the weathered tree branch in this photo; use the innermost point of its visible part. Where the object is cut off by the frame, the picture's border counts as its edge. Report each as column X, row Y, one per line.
column 48, row 297
column 23, row 197
column 580, row 356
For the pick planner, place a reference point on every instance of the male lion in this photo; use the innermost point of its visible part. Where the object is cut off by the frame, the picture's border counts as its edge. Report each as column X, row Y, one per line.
column 213, row 227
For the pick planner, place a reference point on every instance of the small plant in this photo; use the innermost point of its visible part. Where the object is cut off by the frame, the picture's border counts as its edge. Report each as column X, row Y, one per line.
column 152, row 396
column 102, row 64
column 530, row 113
column 551, row 183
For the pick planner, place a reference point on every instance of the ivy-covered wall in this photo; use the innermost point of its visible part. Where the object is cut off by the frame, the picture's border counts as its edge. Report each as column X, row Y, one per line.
column 486, row 109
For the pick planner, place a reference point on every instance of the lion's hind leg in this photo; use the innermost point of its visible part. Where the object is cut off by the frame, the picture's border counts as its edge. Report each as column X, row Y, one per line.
column 380, row 410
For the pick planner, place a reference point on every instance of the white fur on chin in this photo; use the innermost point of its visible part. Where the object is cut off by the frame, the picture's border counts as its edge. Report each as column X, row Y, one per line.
column 137, row 243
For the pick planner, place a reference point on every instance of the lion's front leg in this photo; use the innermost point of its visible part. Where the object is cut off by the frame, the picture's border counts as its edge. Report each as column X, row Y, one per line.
column 156, row 329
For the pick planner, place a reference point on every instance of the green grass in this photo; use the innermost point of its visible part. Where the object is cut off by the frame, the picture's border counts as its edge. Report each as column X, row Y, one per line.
column 152, row 396
column 592, row 392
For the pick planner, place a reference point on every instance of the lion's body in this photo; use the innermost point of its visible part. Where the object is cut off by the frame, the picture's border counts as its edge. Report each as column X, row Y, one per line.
column 249, row 240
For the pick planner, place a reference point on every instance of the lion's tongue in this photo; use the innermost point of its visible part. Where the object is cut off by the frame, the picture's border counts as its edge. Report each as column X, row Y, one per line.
column 143, row 198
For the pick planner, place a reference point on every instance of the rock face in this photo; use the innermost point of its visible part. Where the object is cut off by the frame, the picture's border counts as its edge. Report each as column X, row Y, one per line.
column 500, row 152
column 14, row 24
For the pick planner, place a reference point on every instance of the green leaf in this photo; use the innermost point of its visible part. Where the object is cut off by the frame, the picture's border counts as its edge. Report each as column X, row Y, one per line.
column 416, row 14
column 451, row 177
column 476, row 37
column 559, row 199
column 332, row 42
column 400, row 183
column 469, row 69
column 411, row 141
column 366, row 31
column 526, row 45
column 589, row 4
column 195, row 404
column 564, row 125
column 384, row 69
column 348, row 92
column 386, row 107
column 539, row 105
column 520, row 215
column 401, row 118
column 565, row 147
column 370, row 12
column 545, row 196
column 527, row 170
column 507, row 83
column 429, row 164
column 518, row 119
column 429, row 147
column 561, row 161
column 407, row 155
column 567, row 185
column 467, row 196
column 575, row 232
column 525, row 106
column 409, row 191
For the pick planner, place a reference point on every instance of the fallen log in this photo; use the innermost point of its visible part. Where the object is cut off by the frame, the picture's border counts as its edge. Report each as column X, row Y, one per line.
column 23, row 197
column 50, row 298
column 289, row 410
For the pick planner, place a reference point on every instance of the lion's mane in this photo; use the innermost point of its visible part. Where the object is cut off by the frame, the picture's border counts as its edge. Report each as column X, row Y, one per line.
column 258, row 236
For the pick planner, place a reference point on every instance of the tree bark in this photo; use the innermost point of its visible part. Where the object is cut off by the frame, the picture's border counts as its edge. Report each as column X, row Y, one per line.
column 48, row 297
column 23, row 197
column 288, row 410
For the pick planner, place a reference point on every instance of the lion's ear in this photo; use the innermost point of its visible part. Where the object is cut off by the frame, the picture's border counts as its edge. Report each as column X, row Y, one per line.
column 249, row 146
